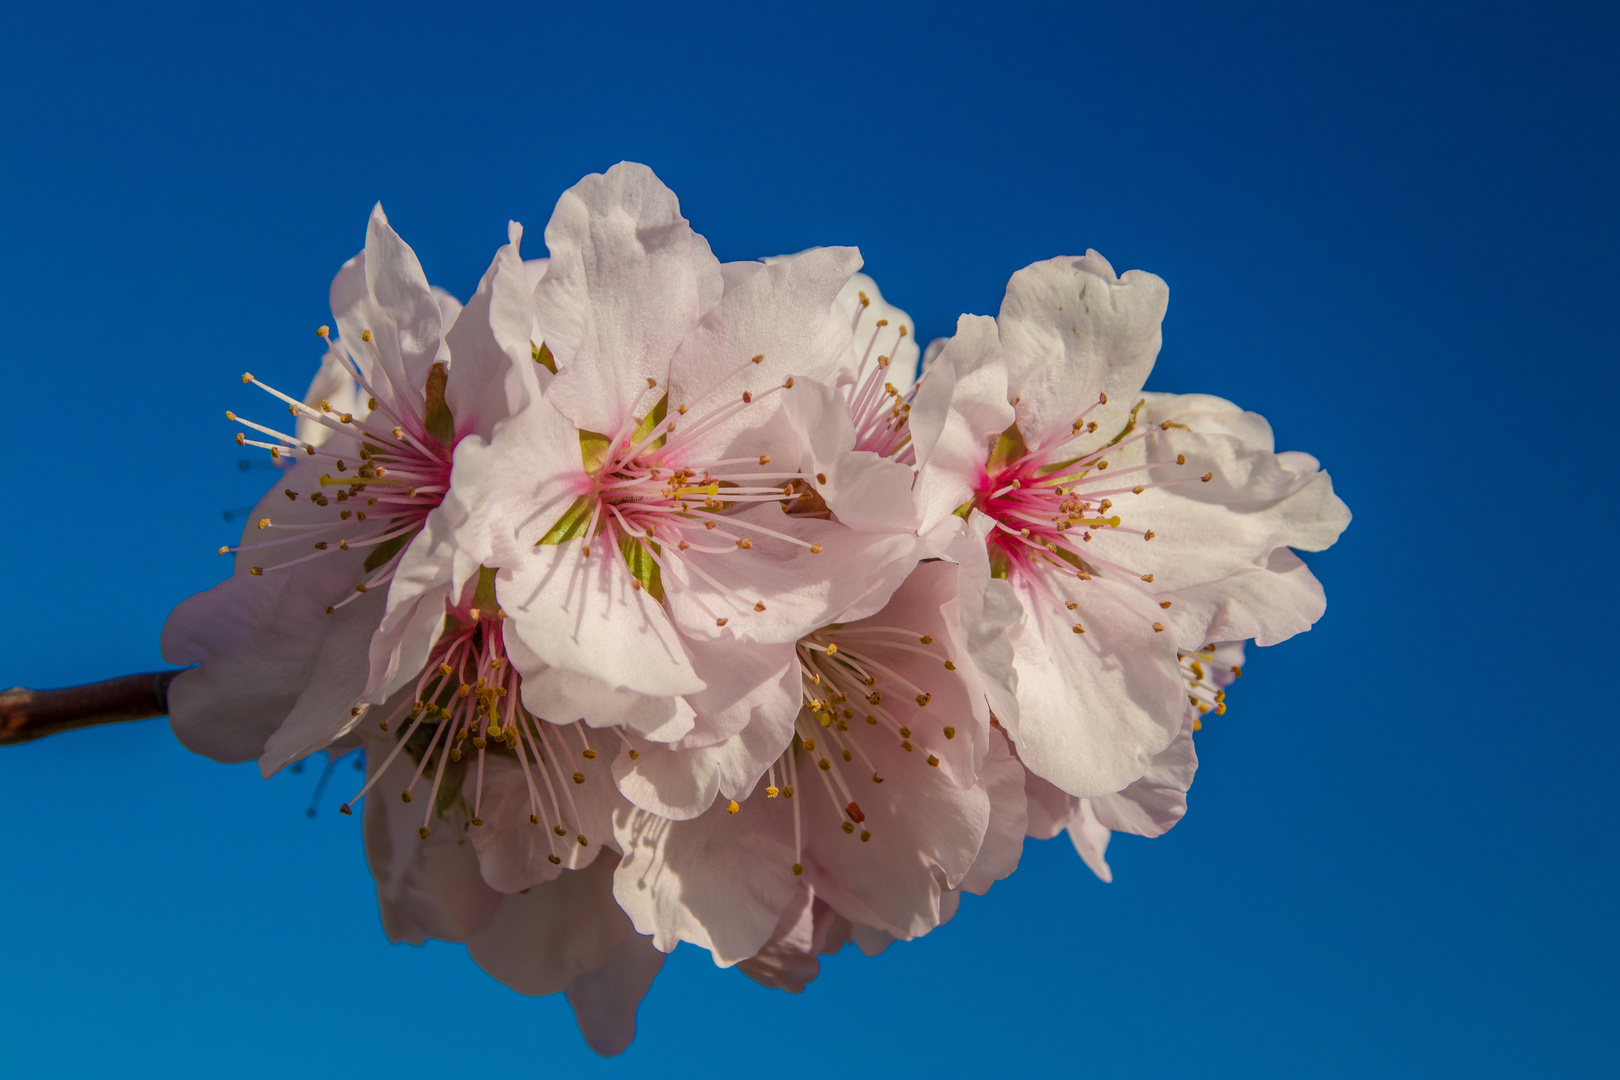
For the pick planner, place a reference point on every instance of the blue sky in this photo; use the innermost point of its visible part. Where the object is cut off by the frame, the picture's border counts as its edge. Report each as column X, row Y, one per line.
column 1389, row 230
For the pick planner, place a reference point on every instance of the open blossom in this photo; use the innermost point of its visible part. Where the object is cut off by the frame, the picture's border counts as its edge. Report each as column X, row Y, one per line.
column 288, row 646
column 891, row 796
column 1132, row 526
column 645, row 513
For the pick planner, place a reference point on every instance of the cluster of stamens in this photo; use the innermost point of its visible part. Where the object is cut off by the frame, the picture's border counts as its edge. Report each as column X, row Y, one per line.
column 467, row 701
column 881, row 413
column 1205, row 688
column 378, row 501
column 844, row 678
column 1052, row 501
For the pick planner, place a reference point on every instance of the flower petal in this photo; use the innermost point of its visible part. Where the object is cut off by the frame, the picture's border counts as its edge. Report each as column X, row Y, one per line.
column 720, row 881
column 960, row 407
column 1073, row 331
column 1094, row 707
column 581, row 614
column 626, row 283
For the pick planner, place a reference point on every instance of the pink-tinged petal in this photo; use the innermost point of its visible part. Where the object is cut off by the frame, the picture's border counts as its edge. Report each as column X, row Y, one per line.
column 733, row 274
column 925, row 832
column 1073, row 331
column 1153, row 804
column 1269, row 604
column 516, row 486
column 324, row 710
column 783, row 313
column 533, row 271
column 852, row 576
column 410, row 330
column 605, row 1000
column 746, row 682
column 514, row 852
column 255, row 640
column 720, row 881
column 863, row 490
column 426, row 888
column 1049, row 807
column 626, row 283
column 566, row 696
column 1003, row 780
column 582, row 614
column 987, row 616
column 789, row 960
column 959, row 410
column 872, row 941
column 544, row 938
column 1090, row 838
column 493, row 375
column 414, row 616
column 679, row 782
column 1094, row 708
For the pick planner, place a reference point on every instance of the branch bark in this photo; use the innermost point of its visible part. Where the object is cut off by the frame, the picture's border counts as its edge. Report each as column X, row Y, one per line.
column 26, row 715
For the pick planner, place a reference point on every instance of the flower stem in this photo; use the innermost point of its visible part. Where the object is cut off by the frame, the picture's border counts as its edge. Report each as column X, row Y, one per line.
column 26, row 715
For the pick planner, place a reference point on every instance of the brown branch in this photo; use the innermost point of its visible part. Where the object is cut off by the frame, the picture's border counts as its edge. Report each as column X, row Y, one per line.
column 26, row 715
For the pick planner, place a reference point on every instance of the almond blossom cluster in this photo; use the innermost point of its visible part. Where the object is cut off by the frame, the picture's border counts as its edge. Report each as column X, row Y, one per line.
column 671, row 602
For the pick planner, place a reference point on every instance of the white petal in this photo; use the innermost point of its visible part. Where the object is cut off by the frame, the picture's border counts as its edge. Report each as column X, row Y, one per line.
column 605, row 1000
column 410, row 330
column 626, row 283
column 720, row 880
column 784, row 313
column 1094, row 707
column 863, row 490
column 582, row 615
column 1073, row 331
column 960, row 408
column 1090, row 839
column 1153, row 804
column 1003, row 781
column 493, row 375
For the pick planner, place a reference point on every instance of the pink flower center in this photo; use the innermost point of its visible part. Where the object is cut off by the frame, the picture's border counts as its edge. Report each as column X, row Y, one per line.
column 1055, row 515
column 379, row 496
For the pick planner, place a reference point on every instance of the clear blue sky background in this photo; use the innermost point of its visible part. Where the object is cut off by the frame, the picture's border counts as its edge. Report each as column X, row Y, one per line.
column 1391, row 231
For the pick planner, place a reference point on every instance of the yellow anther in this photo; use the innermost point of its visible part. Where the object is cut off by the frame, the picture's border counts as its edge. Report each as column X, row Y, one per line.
column 423, row 832
column 950, row 733
column 732, row 807
column 1138, row 489
column 760, row 606
column 949, row 666
column 789, row 384
column 405, row 796
column 1148, row 535
column 933, row 761
column 764, row 459
column 224, row 551
column 759, row 359
column 365, row 335
column 1165, row 604
column 1079, row 629
column 1207, row 477
column 1181, row 459
column 241, row 439
column 323, row 331
column 720, row 622
column 745, row 543
column 256, row 571
column 247, row 376
column 772, row 792
column 579, row 778
column 810, row 744
column 1158, row 628
column 797, row 869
